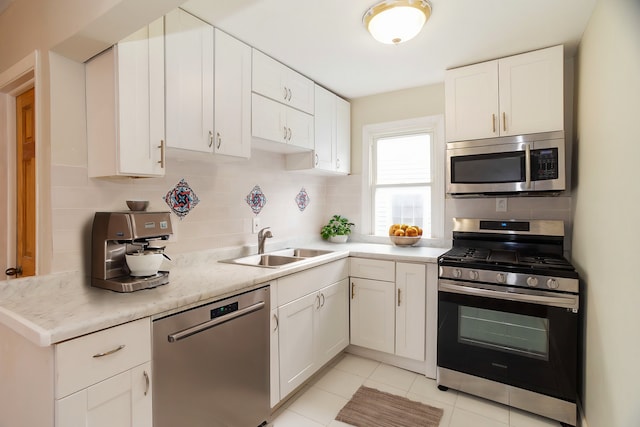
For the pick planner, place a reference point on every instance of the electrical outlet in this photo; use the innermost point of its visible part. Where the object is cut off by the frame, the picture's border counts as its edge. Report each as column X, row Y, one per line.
column 501, row 204
column 255, row 225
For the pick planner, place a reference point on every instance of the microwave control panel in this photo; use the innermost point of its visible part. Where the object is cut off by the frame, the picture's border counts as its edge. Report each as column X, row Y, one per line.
column 544, row 164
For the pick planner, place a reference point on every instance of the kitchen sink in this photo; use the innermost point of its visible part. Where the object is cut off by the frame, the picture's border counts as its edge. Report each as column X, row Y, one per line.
column 277, row 258
column 300, row 252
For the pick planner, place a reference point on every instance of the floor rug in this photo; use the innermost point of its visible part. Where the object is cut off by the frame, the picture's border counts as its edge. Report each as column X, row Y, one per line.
column 373, row 408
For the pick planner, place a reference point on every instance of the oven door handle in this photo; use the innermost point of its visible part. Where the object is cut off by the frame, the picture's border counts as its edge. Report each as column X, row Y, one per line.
column 565, row 301
column 527, row 165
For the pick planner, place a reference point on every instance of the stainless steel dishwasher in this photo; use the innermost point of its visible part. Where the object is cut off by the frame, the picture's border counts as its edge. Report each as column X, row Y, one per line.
column 211, row 364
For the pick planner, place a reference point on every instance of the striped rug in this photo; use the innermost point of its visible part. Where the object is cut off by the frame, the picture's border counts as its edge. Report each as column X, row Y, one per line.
column 373, row 408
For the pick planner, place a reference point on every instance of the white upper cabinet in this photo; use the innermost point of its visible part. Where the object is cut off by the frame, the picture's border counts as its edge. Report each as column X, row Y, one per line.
column 125, row 106
column 232, row 91
column 189, row 66
column 516, row 95
column 280, row 83
column 275, row 122
column 332, row 141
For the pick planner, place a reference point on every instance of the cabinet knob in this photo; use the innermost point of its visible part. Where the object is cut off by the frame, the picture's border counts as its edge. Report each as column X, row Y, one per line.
column 13, row 271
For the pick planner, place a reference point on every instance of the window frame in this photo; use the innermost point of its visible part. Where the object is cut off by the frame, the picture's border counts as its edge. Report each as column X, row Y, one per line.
column 428, row 124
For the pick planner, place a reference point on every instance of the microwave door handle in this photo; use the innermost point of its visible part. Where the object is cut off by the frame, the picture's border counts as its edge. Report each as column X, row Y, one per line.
column 527, row 166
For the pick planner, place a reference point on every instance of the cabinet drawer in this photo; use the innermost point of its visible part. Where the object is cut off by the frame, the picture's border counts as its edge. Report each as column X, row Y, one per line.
column 300, row 284
column 373, row 269
column 87, row 360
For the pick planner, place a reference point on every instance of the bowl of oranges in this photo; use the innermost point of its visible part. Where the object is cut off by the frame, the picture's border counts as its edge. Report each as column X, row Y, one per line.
column 405, row 235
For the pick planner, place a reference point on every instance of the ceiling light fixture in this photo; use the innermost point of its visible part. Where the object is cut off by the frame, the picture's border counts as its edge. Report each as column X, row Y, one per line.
column 396, row 21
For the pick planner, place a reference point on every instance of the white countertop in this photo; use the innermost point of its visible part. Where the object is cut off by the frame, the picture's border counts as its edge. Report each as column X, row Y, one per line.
column 57, row 307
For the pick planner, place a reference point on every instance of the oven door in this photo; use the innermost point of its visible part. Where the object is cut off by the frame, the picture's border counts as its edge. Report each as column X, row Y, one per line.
column 529, row 343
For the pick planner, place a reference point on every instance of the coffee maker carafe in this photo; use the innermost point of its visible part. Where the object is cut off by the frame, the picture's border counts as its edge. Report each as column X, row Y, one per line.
column 116, row 234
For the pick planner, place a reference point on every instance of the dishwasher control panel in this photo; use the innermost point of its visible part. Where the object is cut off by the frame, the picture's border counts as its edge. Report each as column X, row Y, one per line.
column 224, row 310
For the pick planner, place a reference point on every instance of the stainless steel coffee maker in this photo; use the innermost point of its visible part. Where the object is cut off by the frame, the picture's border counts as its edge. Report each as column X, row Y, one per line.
column 116, row 234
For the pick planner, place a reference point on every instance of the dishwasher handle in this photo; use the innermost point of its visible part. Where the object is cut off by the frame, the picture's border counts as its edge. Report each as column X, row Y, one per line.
column 214, row 322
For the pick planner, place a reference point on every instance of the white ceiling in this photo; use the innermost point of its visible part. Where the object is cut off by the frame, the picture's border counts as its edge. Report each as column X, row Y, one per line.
column 326, row 40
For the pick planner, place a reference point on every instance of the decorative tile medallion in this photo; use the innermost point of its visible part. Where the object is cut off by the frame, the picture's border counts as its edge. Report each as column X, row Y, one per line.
column 256, row 199
column 302, row 199
column 181, row 199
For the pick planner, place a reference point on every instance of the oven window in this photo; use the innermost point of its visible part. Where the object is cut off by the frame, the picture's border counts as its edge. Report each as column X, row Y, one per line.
column 510, row 332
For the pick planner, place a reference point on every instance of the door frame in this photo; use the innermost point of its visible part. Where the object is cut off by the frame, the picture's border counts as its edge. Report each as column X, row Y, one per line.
column 15, row 80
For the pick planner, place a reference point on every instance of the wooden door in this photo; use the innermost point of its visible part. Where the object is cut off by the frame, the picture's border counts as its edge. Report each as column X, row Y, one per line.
column 26, row 184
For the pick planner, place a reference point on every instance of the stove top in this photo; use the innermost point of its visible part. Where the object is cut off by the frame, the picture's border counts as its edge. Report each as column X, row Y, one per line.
column 469, row 255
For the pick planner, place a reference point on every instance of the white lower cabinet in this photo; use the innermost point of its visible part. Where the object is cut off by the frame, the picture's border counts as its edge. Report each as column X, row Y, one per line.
column 104, row 379
column 123, row 400
column 312, row 323
column 389, row 315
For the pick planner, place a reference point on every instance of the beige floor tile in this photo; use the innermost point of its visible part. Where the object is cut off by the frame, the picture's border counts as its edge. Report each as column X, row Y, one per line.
column 428, row 388
column 518, row 418
column 292, row 419
column 463, row 418
column 483, row 407
column 339, row 382
column 318, row 405
column 384, row 387
column 357, row 365
column 448, row 409
column 395, row 377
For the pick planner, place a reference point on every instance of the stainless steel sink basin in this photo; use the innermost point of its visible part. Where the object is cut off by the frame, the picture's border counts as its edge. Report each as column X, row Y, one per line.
column 264, row 260
column 278, row 258
column 301, row 252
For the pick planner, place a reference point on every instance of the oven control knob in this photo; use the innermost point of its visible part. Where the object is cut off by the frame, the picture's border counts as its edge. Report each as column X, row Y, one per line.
column 532, row 281
column 552, row 284
column 501, row 278
column 473, row 275
column 457, row 273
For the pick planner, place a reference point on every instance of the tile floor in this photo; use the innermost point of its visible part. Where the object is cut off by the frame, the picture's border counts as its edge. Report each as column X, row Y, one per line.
column 319, row 402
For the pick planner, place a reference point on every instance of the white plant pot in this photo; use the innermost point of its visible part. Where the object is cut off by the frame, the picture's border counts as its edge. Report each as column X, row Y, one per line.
column 339, row 239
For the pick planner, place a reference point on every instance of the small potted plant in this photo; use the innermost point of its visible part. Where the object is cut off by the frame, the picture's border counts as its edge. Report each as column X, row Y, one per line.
column 337, row 230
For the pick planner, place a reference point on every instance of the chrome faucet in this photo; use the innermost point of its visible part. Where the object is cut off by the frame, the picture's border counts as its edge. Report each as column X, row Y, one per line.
column 262, row 236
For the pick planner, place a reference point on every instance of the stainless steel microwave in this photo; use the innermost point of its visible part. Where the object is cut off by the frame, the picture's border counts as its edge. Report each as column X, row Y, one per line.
column 515, row 164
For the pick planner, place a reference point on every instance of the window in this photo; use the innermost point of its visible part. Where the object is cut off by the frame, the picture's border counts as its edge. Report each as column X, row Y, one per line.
column 404, row 178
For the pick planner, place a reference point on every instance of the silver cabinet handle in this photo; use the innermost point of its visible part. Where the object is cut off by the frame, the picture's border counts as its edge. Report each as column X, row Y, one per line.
column 322, row 297
column 337, row 163
column 318, row 302
column 275, row 316
column 493, row 122
column 290, row 134
column 214, row 322
column 504, row 121
column 527, row 166
column 286, row 93
column 285, row 133
column 317, row 159
column 289, row 94
column 210, row 139
column 146, row 382
column 107, row 353
column 161, row 147
column 398, row 297
column 219, row 139
column 353, row 290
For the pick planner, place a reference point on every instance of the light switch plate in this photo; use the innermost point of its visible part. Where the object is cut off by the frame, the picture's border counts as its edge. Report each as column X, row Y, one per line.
column 501, row 204
column 255, row 225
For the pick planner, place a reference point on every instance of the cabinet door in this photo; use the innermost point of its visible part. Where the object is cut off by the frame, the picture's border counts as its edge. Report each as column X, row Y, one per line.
column 410, row 310
column 343, row 136
column 232, row 96
column 123, row 400
column 325, row 129
column 274, row 361
column 280, row 83
column 140, row 59
column 297, row 341
column 373, row 314
column 268, row 119
column 333, row 335
column 471, row 102
column 531, row 92
column 189, row 82
column 300, row 128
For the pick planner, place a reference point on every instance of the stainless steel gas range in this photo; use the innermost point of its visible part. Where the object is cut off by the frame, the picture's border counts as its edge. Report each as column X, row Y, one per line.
column 508, row 306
